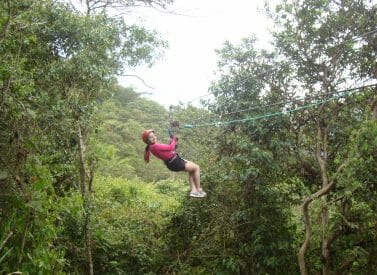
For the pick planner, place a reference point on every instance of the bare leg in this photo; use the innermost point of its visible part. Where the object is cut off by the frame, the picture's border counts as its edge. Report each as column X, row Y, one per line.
column 194, row 175
column 192, row 183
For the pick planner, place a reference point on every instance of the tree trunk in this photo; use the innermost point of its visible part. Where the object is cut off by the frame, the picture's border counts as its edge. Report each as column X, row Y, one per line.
column 84, row 184
column 325, row 239
column 374, row 108
column 88, row 239
column 321, row 155
column 82, row 162
column 305, row 211
column 308, row 235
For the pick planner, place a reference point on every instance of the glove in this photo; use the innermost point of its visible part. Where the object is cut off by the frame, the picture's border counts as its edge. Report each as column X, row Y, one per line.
column 170, row 133
column 171, row 139
column 176, row 142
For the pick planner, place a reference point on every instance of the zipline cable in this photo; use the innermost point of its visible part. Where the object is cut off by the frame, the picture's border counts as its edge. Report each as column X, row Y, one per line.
column 356, row 37
column 220, row 123
column 256, row 107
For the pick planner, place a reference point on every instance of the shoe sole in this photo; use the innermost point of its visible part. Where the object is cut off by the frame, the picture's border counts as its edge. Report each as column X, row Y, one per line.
column 197, row 196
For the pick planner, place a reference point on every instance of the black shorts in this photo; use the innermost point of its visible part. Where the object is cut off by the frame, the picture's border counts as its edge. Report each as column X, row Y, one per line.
column 176, row 163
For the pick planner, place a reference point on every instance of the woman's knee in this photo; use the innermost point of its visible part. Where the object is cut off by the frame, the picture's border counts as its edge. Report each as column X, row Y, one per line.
column 192, row 167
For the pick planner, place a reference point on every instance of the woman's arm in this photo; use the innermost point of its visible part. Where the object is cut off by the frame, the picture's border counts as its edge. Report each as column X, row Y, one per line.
column 165, row 147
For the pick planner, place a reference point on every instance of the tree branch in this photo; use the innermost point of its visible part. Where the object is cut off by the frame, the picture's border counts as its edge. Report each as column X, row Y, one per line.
column 172, row 12
column 138, row 77
column 27, row 223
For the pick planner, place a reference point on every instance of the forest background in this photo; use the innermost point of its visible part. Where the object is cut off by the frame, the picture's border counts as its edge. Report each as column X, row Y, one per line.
column 287, row 148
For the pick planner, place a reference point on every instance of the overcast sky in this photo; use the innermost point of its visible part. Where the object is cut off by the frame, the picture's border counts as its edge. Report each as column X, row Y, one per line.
column 189, row 64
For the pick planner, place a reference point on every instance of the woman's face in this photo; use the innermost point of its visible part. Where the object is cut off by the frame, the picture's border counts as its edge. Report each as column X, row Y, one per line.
column 152, row 138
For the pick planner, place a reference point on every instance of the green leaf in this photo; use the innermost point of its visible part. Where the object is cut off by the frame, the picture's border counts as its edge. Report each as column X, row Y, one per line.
column 6, row 254
column 3, row 175
column 31, row 113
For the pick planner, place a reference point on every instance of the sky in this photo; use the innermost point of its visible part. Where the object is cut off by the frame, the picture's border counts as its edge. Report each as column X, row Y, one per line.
column 193, row 31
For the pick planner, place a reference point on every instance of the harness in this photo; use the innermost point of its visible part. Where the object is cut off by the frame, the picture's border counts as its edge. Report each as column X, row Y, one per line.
column 171, row 159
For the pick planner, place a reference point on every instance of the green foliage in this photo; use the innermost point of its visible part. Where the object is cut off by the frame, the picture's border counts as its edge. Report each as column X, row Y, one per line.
column 358, row 187
column 56, row 66
column 278, row 155
column 193, row 144
column 42, row 221
column 230, row 232
column 129, row 221
column 57, row 72
column 118, row 142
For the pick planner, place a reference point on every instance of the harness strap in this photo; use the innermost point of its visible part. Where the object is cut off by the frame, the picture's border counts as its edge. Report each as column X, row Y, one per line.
column 171, row 159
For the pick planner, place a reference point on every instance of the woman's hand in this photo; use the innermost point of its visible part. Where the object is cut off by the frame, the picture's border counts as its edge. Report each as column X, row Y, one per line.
column 170, row 133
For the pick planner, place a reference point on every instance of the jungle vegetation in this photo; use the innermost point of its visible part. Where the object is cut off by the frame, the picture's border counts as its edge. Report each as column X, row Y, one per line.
column 287, row 148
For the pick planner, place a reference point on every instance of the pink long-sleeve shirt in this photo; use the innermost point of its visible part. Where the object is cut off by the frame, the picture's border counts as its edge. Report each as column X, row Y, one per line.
column 163, row 151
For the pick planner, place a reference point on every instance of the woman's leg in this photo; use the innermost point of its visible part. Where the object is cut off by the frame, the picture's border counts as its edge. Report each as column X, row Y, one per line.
column 192, row 183
column 194, row 174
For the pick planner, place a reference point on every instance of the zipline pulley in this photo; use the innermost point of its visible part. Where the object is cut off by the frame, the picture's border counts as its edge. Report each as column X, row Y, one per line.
column 174, row 126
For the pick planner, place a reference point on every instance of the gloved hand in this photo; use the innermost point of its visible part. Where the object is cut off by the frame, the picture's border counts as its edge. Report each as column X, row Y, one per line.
column 176, row 142
column 170, row 133
column 176, row 139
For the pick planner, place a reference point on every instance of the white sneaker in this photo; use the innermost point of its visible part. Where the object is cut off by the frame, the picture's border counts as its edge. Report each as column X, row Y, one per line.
column 197, row 195
column 203, row 193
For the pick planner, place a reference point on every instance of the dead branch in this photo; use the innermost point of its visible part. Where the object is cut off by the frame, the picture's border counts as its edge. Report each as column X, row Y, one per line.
column 6, row 240
column 27, row 223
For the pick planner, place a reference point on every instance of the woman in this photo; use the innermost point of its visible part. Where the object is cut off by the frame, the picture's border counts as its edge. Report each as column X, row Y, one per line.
column 173, row 161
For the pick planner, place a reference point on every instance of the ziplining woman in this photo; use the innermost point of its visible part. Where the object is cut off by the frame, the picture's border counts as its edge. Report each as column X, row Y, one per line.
column 166, row 152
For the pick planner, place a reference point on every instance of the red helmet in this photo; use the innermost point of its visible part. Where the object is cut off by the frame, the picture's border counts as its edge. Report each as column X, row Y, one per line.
column 145, row 135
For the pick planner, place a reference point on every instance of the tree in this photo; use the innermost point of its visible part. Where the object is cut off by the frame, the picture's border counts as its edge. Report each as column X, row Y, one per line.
column 243, row 226
column 98, row 6
column 56, row 66
column 301, row 144
column 318, row 37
